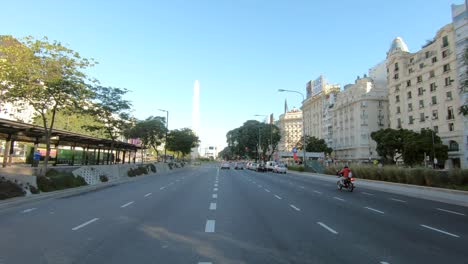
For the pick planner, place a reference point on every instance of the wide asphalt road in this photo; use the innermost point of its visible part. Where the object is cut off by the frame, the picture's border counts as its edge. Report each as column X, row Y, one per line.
column 206, row 215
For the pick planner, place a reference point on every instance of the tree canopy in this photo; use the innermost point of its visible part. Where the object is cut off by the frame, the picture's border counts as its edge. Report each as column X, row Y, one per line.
column 150, row 131
column 314, row 144
column 182, row 141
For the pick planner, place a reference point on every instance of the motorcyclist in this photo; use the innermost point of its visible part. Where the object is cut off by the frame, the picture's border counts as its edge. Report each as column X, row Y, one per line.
column 345, row 174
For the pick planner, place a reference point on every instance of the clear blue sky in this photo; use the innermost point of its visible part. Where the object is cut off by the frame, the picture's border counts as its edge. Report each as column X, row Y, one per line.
column 241, row 51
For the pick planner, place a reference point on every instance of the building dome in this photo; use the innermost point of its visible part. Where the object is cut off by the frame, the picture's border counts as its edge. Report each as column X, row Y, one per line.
column 398, row 45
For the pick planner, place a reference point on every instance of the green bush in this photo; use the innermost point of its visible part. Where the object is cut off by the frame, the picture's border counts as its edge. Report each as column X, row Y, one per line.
column 416, row 176
column 296, row 168
column 33, row 189
column 103, row 178
column 10, row 189
column 152, row 168
column 132, row 172
column 59, row 180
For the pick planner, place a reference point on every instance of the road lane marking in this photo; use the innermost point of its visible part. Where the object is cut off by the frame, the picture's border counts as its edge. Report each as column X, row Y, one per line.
column 205, row 263
column 260, row 186
column 338, row 198
column 171, row 183
column 448, row 211
column 215, row 196
column 210, row 226
column 215, row 189
column 85, row 224
column 327, row 227
column 318, row 192
column 375, row 210
column 441, row 231
column 28, row 210
column 383, row 262
column 162, row 188
column 302, row 187
column 278, row 197
column 295, row 208
column 148, row 194
column 266, row 190
column 127, row 204
column 397, row 200
column 212, row 206
column 177, row 180
column 367, row 193
column 216, row 185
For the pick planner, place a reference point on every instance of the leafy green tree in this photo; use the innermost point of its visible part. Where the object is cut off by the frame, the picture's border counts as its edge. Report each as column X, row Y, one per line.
column 314, row 144
column 389, row 143
column 46, row 76
column 227, row 153
column 182, row 141
column 150, row 131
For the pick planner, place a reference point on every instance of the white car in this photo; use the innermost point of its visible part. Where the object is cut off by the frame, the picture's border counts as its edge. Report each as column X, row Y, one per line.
column 225, row 166
column 270, row 165
column 280, row 168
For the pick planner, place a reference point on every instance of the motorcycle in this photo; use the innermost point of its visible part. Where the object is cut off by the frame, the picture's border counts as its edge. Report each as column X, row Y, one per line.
column 347, row 184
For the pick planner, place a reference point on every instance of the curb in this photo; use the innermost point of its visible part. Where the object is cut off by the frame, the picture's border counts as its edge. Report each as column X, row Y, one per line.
column 8, row 203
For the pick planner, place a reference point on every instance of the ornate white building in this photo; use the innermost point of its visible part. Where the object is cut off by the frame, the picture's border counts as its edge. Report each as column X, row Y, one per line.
column 290, row 125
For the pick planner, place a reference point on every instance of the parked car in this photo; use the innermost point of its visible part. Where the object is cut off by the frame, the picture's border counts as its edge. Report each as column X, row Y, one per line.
column 253, row 166
column 260, row 167
column 225, row 166
column 280, row 168
column 270, row 165
column 239, row 166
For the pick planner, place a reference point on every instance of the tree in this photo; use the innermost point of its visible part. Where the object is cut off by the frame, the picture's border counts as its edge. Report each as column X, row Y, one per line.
column 314, row 144
column 389, row 144
column 227, row 153
column 111, row 112
column 182, row 141
column 45, row 75
column 150, row 131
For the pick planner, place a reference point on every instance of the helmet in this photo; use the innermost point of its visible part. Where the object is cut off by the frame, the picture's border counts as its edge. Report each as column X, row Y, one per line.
column 346, row 166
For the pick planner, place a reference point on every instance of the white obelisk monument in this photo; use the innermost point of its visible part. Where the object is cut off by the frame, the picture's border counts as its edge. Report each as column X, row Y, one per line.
column 196, row 115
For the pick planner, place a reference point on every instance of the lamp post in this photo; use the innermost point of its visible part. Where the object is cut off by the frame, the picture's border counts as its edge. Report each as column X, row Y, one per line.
column 167, row 129
column 303, row 126
column 271, row 134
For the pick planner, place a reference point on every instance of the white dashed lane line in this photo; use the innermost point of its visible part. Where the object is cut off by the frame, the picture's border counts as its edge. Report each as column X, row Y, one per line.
column 266, row 190
column 85, row 224
column 127, row 204
column 215, row 189
column 440, row 231
column 210, row 226
column 216, row 185
column 212, row 206
column 215, row 196
column 28, row 210
column 397, row 200
column 337, row 198
column 366, row 193
column 294, row 207
column 205, row 263
column 327, row 228
column 148, row 194
column 375, row 210
column 448, row 211
column 302, row 187
column 384, row 262
column 162, row 188
column 277, row 197
column 318, row 192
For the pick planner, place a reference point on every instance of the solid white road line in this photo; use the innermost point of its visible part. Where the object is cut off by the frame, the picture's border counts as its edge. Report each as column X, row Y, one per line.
column 441, row 231
column 215, row 189
column 278, row 197
column 215, row 196
column 448, row 211
column 318, row 192
column 28, row 210
column 127, row 204
column 375, row 210
column 85, row 224
column 148, row 194
column 212, row 206
column 266, row 190
column 327, row 228
column 338, row 198
column 295, row 208
column 210, row 226
column 397, row 200
column 162, row 188
column 367, row 193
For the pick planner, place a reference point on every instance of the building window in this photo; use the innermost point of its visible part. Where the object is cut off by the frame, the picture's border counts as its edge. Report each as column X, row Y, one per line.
column 433, row 87
column 453, row 145
column 431, row 74
column 395, row 76
column 420, row 91
column 398, row 110
column 436, row 129
column 449, row 96
column 421, row 103
column 408, row 83
column 427, row 54
column 419, row 79
column 409, row 95
column 410, row 107
column 445, row 42
column 410, row 120
column 450, row 114
column 434, row 100
column 396, row 66
column 445, row 53
column 397, row 87
column 448, row 81
column 421, row 65
column 422, row 118
column 434, row 59
column 435, row 115
column 411, row 60
column 446, row 67
column 451, row 127
column 410, row 70
column 397, row 98
column 398, row 123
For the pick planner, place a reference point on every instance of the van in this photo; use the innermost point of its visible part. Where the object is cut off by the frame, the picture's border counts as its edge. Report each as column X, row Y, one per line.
column 270, row 165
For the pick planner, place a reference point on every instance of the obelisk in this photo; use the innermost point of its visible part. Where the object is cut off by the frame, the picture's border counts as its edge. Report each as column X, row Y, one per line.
column 196, row 115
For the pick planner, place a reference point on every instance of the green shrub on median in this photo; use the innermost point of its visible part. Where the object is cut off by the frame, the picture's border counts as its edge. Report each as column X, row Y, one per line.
column 10, row 189
column 296, row 168
column 132, row 172
column 59, row 180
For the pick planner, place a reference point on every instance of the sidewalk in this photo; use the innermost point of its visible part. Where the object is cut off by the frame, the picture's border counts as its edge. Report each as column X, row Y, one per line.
column 430, row 193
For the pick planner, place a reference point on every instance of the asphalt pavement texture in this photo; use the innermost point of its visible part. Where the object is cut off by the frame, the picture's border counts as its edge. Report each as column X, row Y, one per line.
column 206, row 215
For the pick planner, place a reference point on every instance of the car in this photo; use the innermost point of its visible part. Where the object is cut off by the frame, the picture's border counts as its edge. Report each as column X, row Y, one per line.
column 270, row 165
column 239, row 166
column 253, row 166
column 260, row 167
column 225, row 166
column 280, row 168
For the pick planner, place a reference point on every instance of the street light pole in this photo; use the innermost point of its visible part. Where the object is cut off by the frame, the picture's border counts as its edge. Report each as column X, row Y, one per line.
column 167, row 129
column 303, row 124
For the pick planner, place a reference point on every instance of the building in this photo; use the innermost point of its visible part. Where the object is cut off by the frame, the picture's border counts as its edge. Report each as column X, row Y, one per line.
column 460, row 27
column 360, row 109
column 290, row 125
column 423, row 89
column 315, row 108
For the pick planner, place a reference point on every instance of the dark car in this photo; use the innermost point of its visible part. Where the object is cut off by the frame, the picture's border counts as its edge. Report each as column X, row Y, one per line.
column 260, row 167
